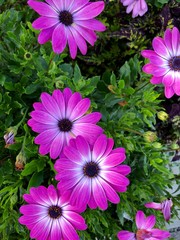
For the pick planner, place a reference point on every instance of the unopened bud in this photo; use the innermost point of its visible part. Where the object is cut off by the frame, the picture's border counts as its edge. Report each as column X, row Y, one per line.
column 20, row 161
column 157, row 145
column 174, row 146
column 163, row 116
column 111, row 88
column 150, row 136
column 9, row 136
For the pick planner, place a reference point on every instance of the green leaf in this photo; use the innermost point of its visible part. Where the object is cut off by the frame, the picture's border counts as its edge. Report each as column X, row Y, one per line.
column 30, row 168
column 36, row 180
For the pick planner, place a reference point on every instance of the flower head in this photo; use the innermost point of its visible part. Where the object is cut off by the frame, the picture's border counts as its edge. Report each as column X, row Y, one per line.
column 163, row 116
column 68, row 22
column 49, row 216
column 61, row 117
column 165, row 207
column 92, row 175
column 145, row 229
column 138, row 7
column 165, row 62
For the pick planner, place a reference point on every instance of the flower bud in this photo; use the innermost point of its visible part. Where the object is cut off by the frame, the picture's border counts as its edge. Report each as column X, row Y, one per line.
column 150, row 136
column 20, row 161
column 157, row 145
column 9, row 136
column 174, row 146
column 163, row 116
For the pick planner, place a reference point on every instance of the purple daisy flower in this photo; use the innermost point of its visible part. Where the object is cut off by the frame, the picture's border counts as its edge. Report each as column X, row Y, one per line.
column 165, row 206
column 165, row 62
column 61, row 117
column 68, row 22
column 49, row 216
column 138, row 7
column 145, row 229
column 92, row 175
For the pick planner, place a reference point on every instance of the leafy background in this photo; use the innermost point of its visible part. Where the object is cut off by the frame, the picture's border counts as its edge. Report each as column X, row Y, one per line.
column 110, row 75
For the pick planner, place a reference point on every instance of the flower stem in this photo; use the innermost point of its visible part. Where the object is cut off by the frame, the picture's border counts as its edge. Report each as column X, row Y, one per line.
column 132, row 130
column 22, row 120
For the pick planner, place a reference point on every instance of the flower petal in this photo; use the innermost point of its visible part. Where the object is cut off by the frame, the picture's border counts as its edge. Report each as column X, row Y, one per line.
column 80, row 109
column 58, row 96
column 73, row 101
column 160, row 234
column 140, row 219
column 126, row 235
column 89, row 11
column 175, row 40
column 50, row 105
column 59, row 38
column 99, row 148
column 148, row 53
column 43, row 9
column 81, row 43
column 153, row 205
column 149, row 222
column 91, row 24
column 99, row 194
column 45, row 35
column 45, row 22
column 169, row 91
column 168, row 79
column 160, row 47
column 75, row 219
column 46, row 136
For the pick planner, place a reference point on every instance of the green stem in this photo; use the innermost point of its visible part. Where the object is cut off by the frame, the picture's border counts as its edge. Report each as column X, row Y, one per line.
column 132, row 130
column 53, row 56
column 22, row 120
column 142, row 86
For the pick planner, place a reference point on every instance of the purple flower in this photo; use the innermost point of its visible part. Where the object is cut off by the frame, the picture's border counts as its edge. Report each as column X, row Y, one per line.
column 165, row 62
column 138, row 7
column 165, row 207
column 145, row 229
column 61, row 117
column 49, row 216
column 68, row 22
column 9, row 138
column 92, row 175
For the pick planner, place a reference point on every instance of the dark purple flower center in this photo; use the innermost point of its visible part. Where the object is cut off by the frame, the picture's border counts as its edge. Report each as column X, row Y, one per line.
column 66, row 18
column 91, row 169
column 174, row 63
column 65, row 125
column 55, row 212
column 142, row 234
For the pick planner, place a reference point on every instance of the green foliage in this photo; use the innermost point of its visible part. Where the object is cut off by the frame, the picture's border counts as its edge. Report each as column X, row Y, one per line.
column 110, row 75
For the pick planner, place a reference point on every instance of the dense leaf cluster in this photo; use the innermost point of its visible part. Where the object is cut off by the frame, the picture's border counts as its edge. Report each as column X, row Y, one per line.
column 110, row 75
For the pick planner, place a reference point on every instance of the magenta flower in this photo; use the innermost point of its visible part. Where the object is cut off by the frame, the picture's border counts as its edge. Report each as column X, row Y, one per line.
column 145, row 229
column 49, row 216
column 92, row 175
column 138, row 7
column 61, row 117
column 165, row 62
column 165, row 207
column 68, row 22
